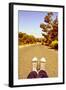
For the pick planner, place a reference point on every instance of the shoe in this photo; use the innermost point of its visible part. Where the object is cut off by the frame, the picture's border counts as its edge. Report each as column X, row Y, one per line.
column 42, row 63
column 33, row 73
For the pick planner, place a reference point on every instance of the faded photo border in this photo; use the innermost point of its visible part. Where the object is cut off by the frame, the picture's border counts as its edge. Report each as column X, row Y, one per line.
column 13, row 44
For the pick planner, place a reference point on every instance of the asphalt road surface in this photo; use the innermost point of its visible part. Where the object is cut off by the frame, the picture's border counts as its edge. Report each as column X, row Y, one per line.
column 26, row 53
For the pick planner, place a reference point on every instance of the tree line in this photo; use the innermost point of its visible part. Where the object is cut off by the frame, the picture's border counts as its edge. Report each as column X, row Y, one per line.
column 24, row 38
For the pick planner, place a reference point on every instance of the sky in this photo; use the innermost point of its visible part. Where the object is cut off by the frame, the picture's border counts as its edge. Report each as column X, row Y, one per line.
column 29, row 21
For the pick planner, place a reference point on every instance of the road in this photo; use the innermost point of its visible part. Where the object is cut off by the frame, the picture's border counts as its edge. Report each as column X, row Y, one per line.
column 25, row 55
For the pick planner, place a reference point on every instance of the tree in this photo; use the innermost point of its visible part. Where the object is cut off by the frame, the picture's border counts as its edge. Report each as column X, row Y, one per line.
column 50, row 30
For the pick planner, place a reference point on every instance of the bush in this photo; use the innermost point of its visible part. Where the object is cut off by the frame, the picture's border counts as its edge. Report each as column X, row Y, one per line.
column 54, row 44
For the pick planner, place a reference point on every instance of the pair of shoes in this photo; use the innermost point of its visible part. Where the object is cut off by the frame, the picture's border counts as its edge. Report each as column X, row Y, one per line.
column 40, row 74
column 38, row 64
column 38, row 68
